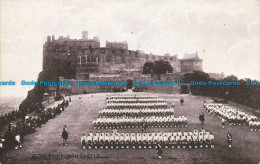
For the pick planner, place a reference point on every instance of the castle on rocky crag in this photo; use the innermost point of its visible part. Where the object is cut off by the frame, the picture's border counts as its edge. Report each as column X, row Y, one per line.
column 84, row 59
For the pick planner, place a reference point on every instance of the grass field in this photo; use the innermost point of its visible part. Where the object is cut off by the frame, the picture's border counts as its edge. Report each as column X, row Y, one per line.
column 79, row 116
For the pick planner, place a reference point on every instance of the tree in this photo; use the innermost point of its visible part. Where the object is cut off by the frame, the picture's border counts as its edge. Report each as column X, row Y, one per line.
column 230, row 78
column 197, row 76
column 148, row 68
column 162, row 67
column 158, row 67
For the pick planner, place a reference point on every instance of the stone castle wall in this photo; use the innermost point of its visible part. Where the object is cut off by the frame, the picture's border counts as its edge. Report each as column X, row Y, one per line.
column 81, row 89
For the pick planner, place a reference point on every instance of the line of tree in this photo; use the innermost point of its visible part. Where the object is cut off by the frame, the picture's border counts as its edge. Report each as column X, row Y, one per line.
column 248, row 95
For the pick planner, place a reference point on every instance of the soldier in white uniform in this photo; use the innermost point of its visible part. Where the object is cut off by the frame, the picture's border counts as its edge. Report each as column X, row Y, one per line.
column 17, row 141
column 101, row 140
column 112, row 140
column 195, row 140
column 117, row 137
column 83, row 140
column 133, row 140
column 139, row 140
column 106, row 140
column 127, row 140
column 122, row 140
column 211, row 138
column 144, row 140
column 89, row 140
column 150, row 140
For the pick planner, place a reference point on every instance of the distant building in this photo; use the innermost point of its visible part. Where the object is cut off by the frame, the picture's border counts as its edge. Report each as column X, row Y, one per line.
column 191, row 62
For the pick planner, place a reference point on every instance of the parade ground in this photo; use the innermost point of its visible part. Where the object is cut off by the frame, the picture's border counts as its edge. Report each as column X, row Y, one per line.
column 45, row 145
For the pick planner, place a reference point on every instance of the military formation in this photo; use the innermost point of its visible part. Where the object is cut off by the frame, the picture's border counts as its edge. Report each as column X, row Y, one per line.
column 231, row 115
column 136, row 112
column 193, row 139
column 136, row 122
column 143, row 111
column 254, row 125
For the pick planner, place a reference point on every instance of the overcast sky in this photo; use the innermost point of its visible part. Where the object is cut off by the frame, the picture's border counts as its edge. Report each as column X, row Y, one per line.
column 225, row 33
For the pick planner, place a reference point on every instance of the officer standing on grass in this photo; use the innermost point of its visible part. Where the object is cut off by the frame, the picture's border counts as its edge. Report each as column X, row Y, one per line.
column 182, row 101
column 64, row 135
column 229, row 139
column 159, row 151
column 223, row 122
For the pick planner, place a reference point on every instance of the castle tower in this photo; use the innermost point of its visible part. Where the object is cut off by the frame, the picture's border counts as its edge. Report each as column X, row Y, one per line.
column 52, row 38
column 191, row 62
column 48, row 38
column 85, row 35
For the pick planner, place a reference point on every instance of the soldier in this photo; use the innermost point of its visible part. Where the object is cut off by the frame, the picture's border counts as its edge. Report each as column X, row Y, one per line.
column 195, row 140
column 144, row 140
column 89, row 140
column 83, row 140
column 17, row 142
column 133, row 140
column 211, row 138
column 182, row 101
column 159, row 151
column 64, row 135
column 139, row 140
column 150, row 140
column 117, row 137
column 127, row 140
column 229, row 139
column 101, row 140
column 201, row 118
column 223, row 122
column 106, row 140
column 96, row 140
column 122, row 140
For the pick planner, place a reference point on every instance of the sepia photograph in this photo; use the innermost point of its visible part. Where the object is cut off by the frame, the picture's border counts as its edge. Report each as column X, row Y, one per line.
column 130, row 81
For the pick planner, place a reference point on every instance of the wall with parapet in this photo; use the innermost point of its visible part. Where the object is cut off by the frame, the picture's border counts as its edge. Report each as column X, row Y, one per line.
column 81, row 89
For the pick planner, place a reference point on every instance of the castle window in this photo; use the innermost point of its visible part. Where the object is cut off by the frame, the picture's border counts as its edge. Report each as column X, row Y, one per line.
column 83, row 59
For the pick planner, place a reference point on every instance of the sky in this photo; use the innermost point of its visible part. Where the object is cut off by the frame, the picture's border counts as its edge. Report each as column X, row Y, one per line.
column 226, row 33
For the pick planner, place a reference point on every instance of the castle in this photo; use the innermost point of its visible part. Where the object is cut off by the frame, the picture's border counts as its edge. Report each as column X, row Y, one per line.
column 67, row 59
column 84, row 58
